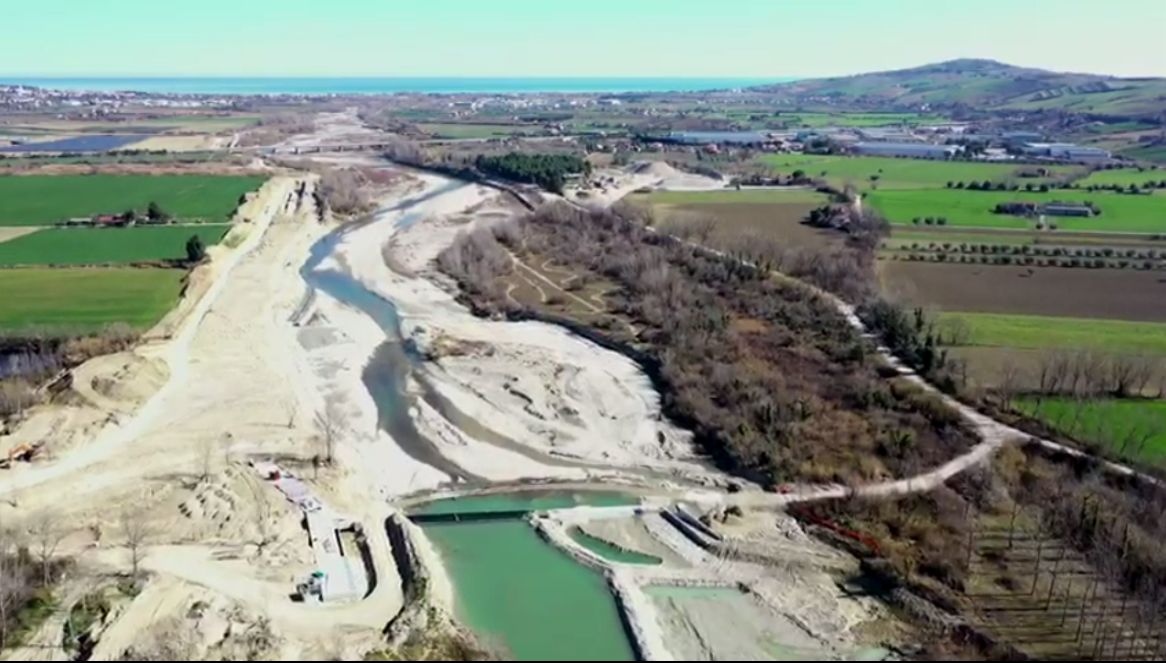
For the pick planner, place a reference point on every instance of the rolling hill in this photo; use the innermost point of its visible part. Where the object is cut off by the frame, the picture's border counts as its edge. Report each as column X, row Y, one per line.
column 986, row 84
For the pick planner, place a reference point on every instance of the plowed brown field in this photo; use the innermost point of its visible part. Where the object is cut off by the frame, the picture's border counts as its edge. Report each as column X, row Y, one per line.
column 1120, row 294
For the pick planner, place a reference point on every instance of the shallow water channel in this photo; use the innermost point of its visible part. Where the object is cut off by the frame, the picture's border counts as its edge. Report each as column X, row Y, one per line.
column 519, row 593
column 516, row 591
column 386, row 373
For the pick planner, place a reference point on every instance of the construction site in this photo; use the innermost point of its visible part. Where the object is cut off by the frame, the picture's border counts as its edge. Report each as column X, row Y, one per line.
column 324, row 454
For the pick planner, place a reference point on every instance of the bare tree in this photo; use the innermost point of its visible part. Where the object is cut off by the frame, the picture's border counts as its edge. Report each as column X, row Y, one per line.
column 1123, row 373
column 14, row 586
column 46, row 534
column 291, row 409
column 206, row 452
column 135, row 527
column 329, row 423
column 262, row 519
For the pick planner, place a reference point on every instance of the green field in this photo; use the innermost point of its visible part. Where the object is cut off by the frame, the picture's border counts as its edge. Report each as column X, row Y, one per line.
column 1120, row 212
column 854, row 119
column 36, row 200
column 901, row 237
column 477, row 130
column 732, row 196
column 1039, row 332
column 1155, row 153
column 100, row 246
column 895, row 173
column 82, row 300
column 1123, row 177
column 1131, row 428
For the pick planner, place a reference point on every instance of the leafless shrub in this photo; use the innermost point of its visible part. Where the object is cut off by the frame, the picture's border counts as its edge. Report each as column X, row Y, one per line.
column 16, row 396
column 135, row 528
column 343, row 191
column 779, row 417
column 330, row 424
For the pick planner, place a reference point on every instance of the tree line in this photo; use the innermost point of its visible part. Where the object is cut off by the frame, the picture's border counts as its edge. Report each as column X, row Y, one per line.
column 548, row 171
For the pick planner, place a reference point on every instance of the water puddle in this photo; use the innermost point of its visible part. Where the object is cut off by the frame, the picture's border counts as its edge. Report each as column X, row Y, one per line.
column 611, row 552
column 519, row 593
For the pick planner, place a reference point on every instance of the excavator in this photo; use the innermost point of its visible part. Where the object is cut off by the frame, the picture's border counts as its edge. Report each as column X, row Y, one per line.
column 23, row 452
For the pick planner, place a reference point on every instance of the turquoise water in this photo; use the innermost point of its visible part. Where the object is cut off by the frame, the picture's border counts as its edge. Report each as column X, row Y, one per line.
column 312, row 86
column 521, row 594
column 611, row 552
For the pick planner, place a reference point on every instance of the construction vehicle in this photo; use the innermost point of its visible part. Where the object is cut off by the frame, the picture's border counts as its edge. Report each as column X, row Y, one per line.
column 23, row 452
column 312, row 589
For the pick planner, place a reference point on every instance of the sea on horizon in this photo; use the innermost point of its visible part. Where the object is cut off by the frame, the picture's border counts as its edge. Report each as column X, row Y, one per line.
column 322, row 86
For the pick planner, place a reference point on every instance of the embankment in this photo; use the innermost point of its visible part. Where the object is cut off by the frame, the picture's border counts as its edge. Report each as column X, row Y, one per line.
column 636, row 613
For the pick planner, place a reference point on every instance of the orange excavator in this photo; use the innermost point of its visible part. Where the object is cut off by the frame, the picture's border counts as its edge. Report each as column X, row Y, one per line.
column 23, row 452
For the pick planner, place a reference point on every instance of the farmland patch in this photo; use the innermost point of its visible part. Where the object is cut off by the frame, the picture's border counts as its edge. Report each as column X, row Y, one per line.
column 1119, row 212
column 43, row 200
column 82, row 300
column 890, row 173
column 76, row 144
column 1139, row 177
column 1075, row 293
column 1035, row 332
column 1132, row 428
column 8, row 234
column 98, row 246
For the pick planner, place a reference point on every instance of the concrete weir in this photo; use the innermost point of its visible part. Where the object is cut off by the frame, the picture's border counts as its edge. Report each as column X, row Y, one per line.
column 638, row 615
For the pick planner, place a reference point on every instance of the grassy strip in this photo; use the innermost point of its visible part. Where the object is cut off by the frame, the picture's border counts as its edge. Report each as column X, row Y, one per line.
column 1037, row 332
column 87, row 299
column 732, row 197
column 1119, row 212
column 893, row 173
column 1131, row 428
column 37, row 200
column 114, row 246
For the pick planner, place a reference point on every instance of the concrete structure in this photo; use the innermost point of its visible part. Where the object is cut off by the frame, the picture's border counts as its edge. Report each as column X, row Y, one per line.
column 914, row 150
column 338, row 576
column 1068, row 151
column 1020, row 138
column 888, row 135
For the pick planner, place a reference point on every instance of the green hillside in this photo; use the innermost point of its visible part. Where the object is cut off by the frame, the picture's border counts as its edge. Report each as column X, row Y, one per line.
column 987, row 84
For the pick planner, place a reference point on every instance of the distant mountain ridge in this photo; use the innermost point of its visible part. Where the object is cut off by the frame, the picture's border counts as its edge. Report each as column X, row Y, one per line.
column 988, row 85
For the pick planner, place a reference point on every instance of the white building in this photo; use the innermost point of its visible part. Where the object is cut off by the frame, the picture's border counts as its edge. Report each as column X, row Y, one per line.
column 1067, row 151
column 913, row 150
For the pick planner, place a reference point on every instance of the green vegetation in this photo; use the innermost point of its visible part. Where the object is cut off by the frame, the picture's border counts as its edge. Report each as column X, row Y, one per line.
column 732, row 196
column 895, row 173
column 29, row 617
column 89, row 611
column 477, row 130
column 905, row 237
column 549, row 171
column 1133, row 428
column 1037, row 332
column 1139, row 177
column 35, row 200
column 852, row 119
column 985, row 84
column 101, row 246
column 87, row 299
column 1119, row 212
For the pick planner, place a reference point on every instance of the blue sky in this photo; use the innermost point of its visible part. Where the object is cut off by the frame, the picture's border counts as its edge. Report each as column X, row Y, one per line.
column 694, row 38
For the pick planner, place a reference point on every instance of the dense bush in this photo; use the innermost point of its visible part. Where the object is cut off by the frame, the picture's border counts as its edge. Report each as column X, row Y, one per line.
column 548, row 171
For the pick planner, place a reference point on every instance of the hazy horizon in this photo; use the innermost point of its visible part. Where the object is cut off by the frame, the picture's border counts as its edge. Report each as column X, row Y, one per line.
column 755, row 39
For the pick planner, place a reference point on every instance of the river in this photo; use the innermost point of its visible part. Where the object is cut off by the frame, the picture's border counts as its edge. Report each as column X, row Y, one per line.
column 556, row 609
